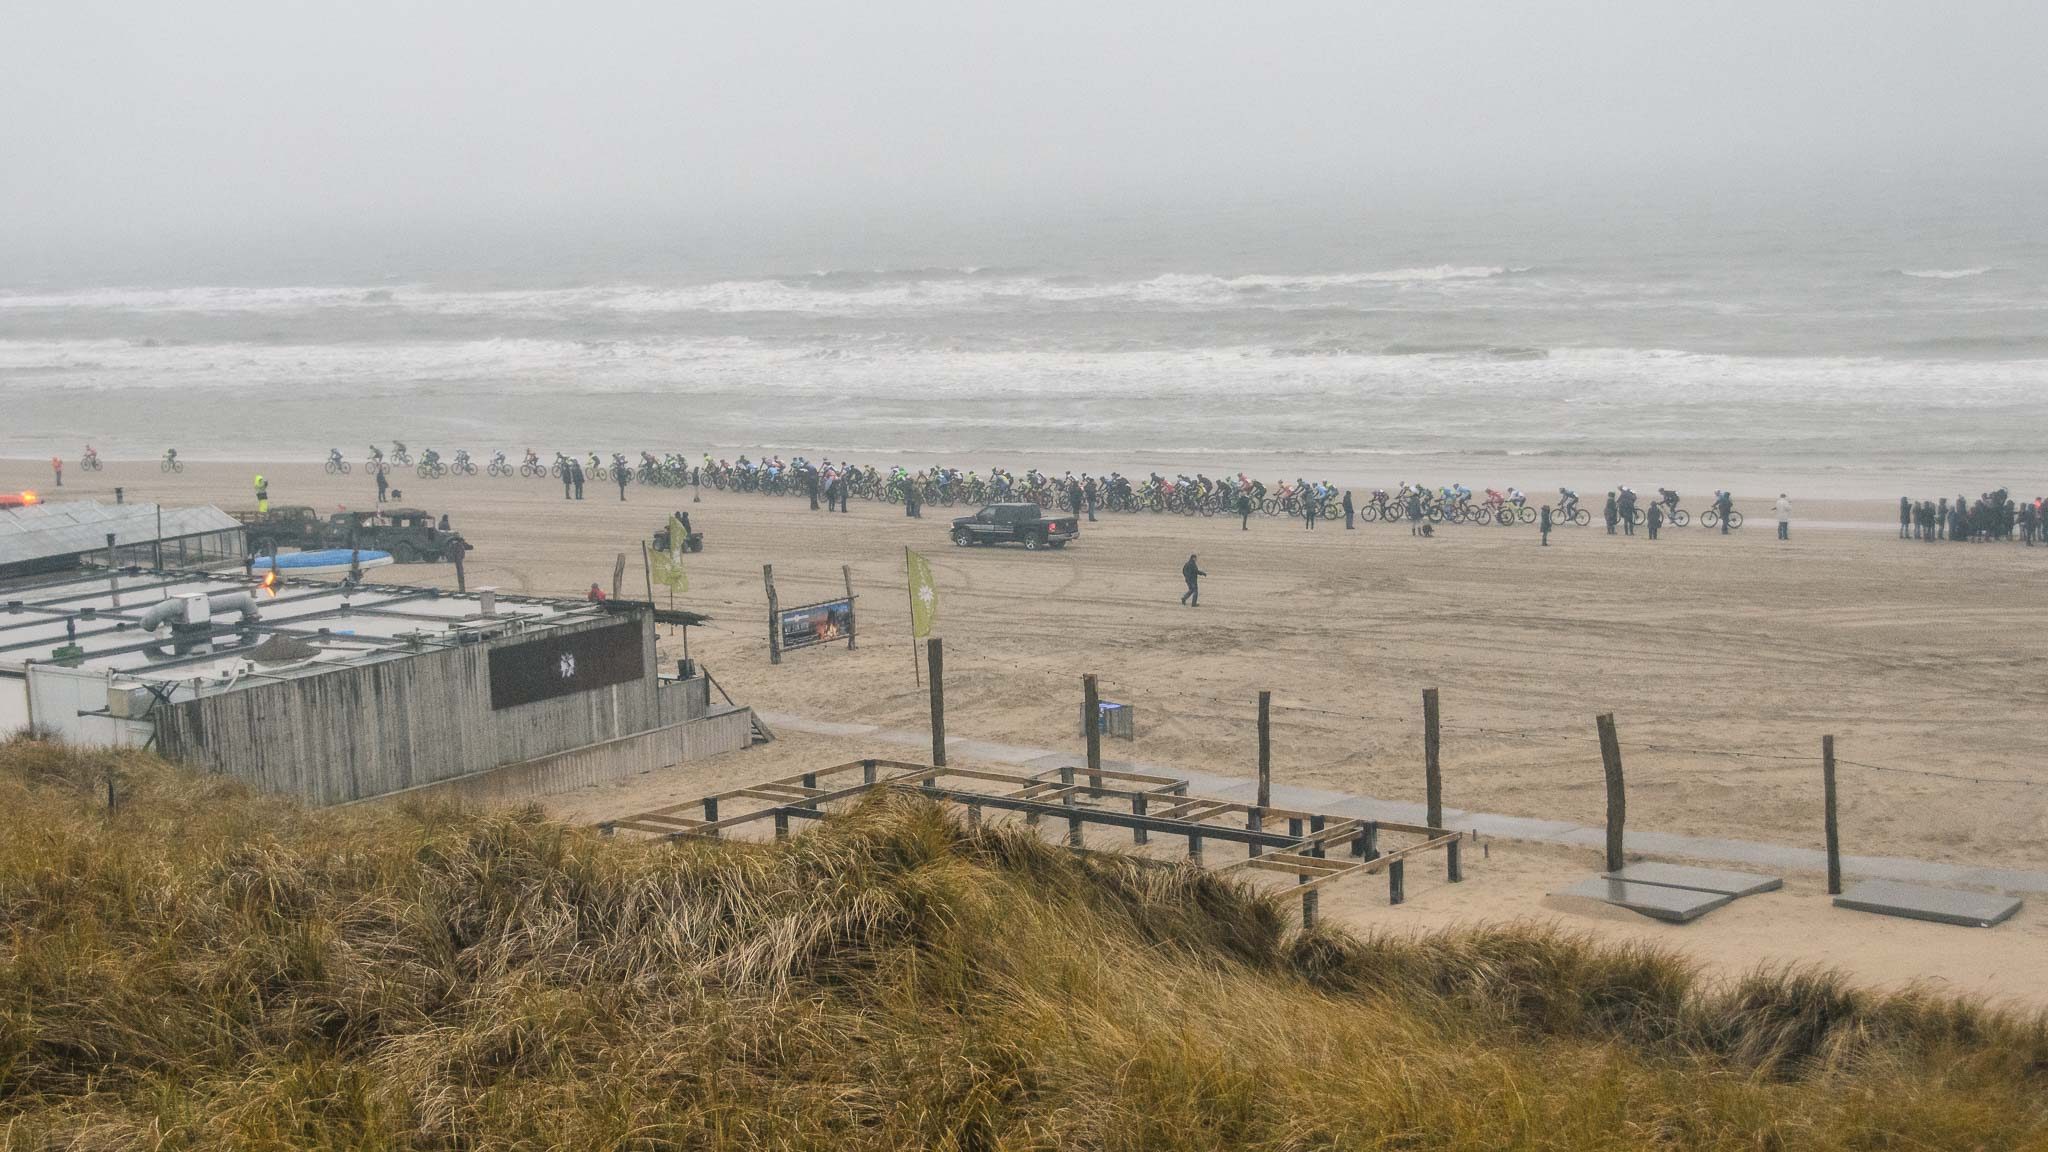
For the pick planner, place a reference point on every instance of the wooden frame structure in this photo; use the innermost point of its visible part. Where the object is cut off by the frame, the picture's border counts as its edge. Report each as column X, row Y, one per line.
column 1080, row 796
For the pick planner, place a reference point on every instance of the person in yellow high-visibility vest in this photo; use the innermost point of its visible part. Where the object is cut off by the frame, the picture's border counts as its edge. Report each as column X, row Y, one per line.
column 262, row 494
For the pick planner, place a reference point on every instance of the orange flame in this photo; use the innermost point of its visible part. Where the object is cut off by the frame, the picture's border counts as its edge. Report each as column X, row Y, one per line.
column 270, row 582
column 31, row 498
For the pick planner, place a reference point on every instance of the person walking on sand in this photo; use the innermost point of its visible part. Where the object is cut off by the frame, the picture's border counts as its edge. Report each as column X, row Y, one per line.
column 1725, row 501
column 1613, row 513
column 1349, row 511
column 262, row 494
column 1784, row 517
column 1192, row 573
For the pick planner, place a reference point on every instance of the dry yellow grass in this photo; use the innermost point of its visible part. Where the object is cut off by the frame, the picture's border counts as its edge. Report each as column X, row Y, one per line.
column 211, row 969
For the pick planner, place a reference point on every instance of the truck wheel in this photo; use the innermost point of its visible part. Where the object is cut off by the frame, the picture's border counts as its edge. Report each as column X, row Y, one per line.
column 962, row 537
column 1034, row 542
column 404, row 554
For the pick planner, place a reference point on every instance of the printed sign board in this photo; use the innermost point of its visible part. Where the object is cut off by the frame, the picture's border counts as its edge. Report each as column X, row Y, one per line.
column 815, row 624
column 563, row 665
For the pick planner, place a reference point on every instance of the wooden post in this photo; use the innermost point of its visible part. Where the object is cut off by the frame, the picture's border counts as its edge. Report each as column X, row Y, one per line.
column 1265, row 751
column 782, row 826
column 1453, row 867
column 619, row 577
column 1067, row 799
column 774, row 617
column 1827, row 787
column 1311, row 901
column 1091, row 711
column 1256, row 821
column 867, row 771
column 1195, row 847
column 711, row 811
column 935, row 662
column 159, row 561
column 1432, row 770
column 462, row 578
column 1396, row 892
column 1138, row 835
column 852, row 617
column 1617, row 798
column 646, row 570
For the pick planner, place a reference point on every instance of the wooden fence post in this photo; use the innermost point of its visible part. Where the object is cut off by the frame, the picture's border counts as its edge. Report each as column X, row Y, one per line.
column 1265, row 749
column 1432, row 769
column 774, row 617
column 1617, row 798
column 852, row 617
column 1827, row 785
column 935, row 663
column 1091, row 709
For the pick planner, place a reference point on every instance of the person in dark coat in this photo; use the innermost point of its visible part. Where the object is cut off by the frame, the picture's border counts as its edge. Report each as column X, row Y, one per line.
column 1244, row 511
column 1350, row 520
column 1088, row 493
column 1656, row 519
column 621, row 473
column 1905, row 517
column 1726, row 503
column 1546, row 526
column 1311, row 503
column 1192, row 573
column 1626, row 509
column 811, row 485
column 384, row 487
column 577, row 468
column 1415, row 513
column 1613, row 513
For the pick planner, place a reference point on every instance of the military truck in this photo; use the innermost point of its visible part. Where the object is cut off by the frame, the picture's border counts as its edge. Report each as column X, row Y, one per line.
column 285, row 527
column 411, row 535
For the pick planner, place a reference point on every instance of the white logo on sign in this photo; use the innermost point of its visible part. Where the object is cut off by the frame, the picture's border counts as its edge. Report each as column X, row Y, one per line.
column 568, row 665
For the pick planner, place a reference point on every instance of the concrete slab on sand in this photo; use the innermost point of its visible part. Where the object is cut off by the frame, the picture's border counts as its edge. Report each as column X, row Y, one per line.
column 1941, row 905
column 1721, row 880
column 1676, row 905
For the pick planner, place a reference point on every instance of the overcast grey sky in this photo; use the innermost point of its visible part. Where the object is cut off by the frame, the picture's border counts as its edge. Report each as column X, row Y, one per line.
column 118, row 117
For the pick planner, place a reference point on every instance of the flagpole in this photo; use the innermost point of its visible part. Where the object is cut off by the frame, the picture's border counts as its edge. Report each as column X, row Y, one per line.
column 915, row 675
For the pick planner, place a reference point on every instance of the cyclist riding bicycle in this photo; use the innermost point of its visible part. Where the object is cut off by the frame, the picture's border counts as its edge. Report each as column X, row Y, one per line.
column 1516, row 498
column 1668, row 497
column 1568, row 500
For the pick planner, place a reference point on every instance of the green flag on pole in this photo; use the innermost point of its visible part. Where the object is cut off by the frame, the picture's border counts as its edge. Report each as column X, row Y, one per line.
column 668, row 563
column 924, row 595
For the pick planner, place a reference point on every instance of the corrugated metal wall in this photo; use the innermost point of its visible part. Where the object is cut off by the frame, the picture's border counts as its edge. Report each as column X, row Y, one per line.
column 365, row 731
column 606, row 763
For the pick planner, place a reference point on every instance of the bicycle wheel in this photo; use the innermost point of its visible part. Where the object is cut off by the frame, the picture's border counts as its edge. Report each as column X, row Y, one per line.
column 1734, row 519
column 1709, row 518
column 1525, row 515
column 1680, row 517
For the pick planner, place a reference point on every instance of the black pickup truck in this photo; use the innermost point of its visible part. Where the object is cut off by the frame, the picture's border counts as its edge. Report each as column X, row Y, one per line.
column 1025, row 524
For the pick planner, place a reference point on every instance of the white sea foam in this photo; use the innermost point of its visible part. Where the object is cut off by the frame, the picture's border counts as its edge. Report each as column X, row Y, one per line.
column 1943, row 273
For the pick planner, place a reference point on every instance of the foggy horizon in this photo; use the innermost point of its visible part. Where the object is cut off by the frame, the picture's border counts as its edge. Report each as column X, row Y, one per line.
column 241, row 126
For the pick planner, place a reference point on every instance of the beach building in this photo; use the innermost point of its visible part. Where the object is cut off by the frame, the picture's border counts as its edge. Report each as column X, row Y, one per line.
column 335, row 694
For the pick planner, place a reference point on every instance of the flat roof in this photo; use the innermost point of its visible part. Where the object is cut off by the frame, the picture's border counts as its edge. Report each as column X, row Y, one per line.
column 75, row 527
column 343, row 626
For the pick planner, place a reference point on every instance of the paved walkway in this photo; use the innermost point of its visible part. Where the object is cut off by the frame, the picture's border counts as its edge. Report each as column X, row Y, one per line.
column 1753, row 853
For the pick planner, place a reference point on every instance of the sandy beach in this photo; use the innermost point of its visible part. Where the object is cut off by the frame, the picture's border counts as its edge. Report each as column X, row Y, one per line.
column 1724, row 659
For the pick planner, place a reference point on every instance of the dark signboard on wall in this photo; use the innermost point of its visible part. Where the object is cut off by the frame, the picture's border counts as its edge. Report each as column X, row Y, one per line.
column 565, row 664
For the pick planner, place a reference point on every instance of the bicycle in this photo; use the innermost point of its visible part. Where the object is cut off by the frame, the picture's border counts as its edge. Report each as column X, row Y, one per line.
column 1673, row 517
column 171, row 463
column 90, row 462
column 430, row 466
column 335, row 464
column 532, row 467
column 462, row 465
column 498, row 466
column 1712, row 518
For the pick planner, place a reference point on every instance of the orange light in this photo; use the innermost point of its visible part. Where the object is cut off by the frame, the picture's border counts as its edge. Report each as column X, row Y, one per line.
column 270, row 582
column 31, row 498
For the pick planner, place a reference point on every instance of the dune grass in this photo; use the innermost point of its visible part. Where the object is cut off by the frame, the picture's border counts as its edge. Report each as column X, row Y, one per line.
column 211, row 969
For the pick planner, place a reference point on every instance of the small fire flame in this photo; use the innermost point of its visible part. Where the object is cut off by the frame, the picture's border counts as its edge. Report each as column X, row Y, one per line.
column 31, row 498
column 270, row 582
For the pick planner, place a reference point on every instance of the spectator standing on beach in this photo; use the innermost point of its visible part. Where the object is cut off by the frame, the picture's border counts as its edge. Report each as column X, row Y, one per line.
column 384, row 487
column 811, row 486
column 621, row 473
column 1656, row 518
column 1905, row 517
column 1349, row 511
column 576, row 466
column 1244, row 510
column 1192, row 573
column 1784, row 517
column 1546, row 526
column 262, row 494
column 1415, row 513
column 568, row 479
column 1627, row 510
column 913, row 498
column 57, row 466
column 1088, row 492
column 1613, row 513
column 1311, row 501
column 1725, row 501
